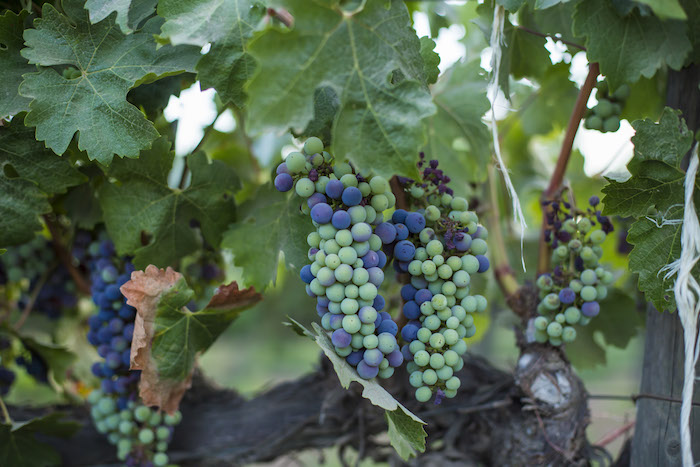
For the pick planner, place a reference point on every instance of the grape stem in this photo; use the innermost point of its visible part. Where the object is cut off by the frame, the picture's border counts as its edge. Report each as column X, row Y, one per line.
column 503, row 272
column 556, row 181
column 282, row 15
column 5, row 413
column 32, row 300
column 64, row 256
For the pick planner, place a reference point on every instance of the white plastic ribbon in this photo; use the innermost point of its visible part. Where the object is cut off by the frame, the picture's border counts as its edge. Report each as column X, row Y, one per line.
column 496, row 43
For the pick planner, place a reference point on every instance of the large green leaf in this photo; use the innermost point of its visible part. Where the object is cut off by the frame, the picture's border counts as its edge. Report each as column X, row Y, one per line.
column 19, row 446
column 551, row 105
column 12, row 64
column 32, row 161
column 129, row 13
column 228, row 66
column 665, row 9
column 271, row 222
column 21, row 204
column 456, row 134
column 631, row 46
column 57, row 359
column 94, row 103
column 199, row 22
column 371, row 59
column 692, row 10
column 143, row 204
column 657, row 182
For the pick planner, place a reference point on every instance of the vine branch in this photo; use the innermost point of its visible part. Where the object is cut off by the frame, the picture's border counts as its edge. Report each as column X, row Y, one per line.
column 32, row 300
column 65, row 257
column 557, row 178
column 553, row 37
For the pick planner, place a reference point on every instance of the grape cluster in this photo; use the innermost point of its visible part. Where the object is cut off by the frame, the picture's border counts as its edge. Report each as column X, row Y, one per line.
column 140, row 433
column 441, row 247
column 605, row 116
column 346, row 258
column 34, row 264
column 570, row 295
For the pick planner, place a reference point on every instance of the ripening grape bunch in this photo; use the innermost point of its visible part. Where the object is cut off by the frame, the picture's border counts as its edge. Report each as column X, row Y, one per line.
column 605, row 116
column 440, row 246
column 570, row 295
column 34, row 265
column 346, row 256
column 141, row 434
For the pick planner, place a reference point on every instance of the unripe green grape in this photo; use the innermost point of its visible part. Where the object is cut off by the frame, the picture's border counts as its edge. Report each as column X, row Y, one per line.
column 451, row 358
column 562, row 251
column 555, row 341
column 360, row 276
column 428, row 267
column 608, row 278
column 481, row 303
column 414, row 268
column 575, row 245
column 559, row 318
column 448, row 288
column 349, row 180
column 453, row 383
column 569, row 225
column 479, row 247
column 444, row 315
column 611, row 124
column 597, row 236
column 468, row 321
column 379, row 185
column 321, row 183
column 415, row 346
column 295, row 162
column 469, row 304
column 437, row 341
column 367, row 329
column 375, row 243
column 572, row 315
column 416, row 379
column 417, row 192
column 435, row 285
column 551, row 301
column 576, row 285
column 162, row 433
column 421, row 254
column 386, row 373
column 460, row 347
column 384, row 364
column 470, row 264
column 347, row 255
column 541, row 323
column 589, row 293
column 601, row 292
column 305, row 188
column 437, row 361
column 422, row 358
column 432, row 322
column 424, row 335
column 146, row 436
column 439, row 301
column 392, row 199
column 344, row 352
column 444, row 272
column 313, row 145
column 380, row 202
column 439, row 260
column 452, row 322
column 423, row 394
column 598, row 251
column 173, row 419
column 541, row 336
column 160, row 459
column 469, row 332
column 594, row 122
column 106, row 405
column 429, row 376
column 444, row 373
column 357, row 340
column 365, row 189
column 434, row 247
column 544, row 282
column 426, row 309
column 554, row 329
column 113, row 421
column 604, row 108
column 411, row 367
column 460, row 204
column 568, row 334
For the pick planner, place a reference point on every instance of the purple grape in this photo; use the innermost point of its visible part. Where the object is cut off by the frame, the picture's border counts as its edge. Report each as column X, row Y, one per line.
column 386, row 232
column 306, row 274
column 401, row 232
column 395, row 358
column 367, row 371
column 315, row 199
column 409, row 332
column 370, row 260
column 373, row 357
column 404, row 250
column 341, row 219
column 382, row 259
column 567, row 296
column 406, row 352
column 354, row 358
column 483, row 263
column 408, row 292
column 378, row 303
column 399, row 216
column 423, row 295
column 351, row 196
column 389, row 326
column 284, row 182
column 334, row 189
column 282, row 169
column 376, row 276
column 590, row 309
column 322, row 213
column 411, row 310
column 341, row 338
column 415, row 222
column 594, row 201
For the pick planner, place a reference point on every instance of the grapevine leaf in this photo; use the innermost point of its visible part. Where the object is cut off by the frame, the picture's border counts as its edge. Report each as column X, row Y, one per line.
column 129, row 13
column 654, row 248
column 644, row 44
column 370, row 57
column 82, row 206
column 406, row 431
column 551, row 105
column 57, row 359
column 198, row 22
column 12, row 64
column 586, row 351
column 326, row 104
column 94, row 103
column 144, row 204
column 665, row 9
column 276, row 224
column 228, row 66
column 555, row 20
column 299, row 329
column 21, row 204
column 656, row 176
column 168, row 337
column 456, row 133
column 511, row 5
column 543, row 4
column 405, row 435
column 19, row 446
column 431, row 59
column 32, row 161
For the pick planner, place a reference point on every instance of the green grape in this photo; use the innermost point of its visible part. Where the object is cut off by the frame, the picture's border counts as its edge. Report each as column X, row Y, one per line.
column 551, row 301
column 455, row 263
column 568, row 334
column 584, row 225
column 576, row 285
column 460, row 347
column 556, row 341
column 295, row 162
column 417, row 192
column 453, row 383
column 544, row 282
column 589, row 293
column 432, row 322
column 424, row 335
column 604, row 108
column 562, row 252
column 559, row 318
column 434, row 247
column 344, row 352
column 432, row 213
column 444, row 373
column 470, row 304
column 437, row 361
column 416, row 379
column 601, row 292
column 305, row 188
column 470, row 264
column 160, row 459
column 352, row 292
column 594, row 122
column 572, row 315
column 589, row 277
column 554, row 329
column 479, row 247
column 351, row 323
column 422, row 358
column 439, row 302
column 414, row 268
column 428, row 267
column 415, row 346
column 597, row 236
column 421, row 254
column 106, row 405
column 379, row 185
column 611, row 124
column 541, row 336
column 173, row 419
column 423, row 394
column 386, row 373
column 444, row 315
column 162, row 433
column 146, row 436
column 426, row 236
column 541, row 323
column 430, row 377
column 439, row 260
column 448, row 288
column 437, row 341
column 451, row 358
column 481, row 303
column 452, row 322
column 444, row 271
